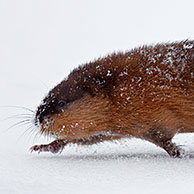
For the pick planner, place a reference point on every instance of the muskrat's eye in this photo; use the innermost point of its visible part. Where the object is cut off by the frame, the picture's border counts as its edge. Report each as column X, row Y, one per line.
column 61, row 103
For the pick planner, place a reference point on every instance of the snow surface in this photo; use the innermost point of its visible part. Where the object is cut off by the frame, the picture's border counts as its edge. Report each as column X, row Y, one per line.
column 40, row 42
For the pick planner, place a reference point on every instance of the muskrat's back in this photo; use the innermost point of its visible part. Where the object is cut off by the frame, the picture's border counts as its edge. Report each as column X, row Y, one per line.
column 146, row 93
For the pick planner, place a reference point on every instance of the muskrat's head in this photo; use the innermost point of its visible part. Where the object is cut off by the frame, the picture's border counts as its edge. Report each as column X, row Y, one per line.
column 57, row 101
column 55, row 104
column 70, row 110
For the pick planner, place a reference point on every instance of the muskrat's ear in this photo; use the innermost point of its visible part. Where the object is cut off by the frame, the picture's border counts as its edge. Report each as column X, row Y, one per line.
column 94, row 87
column 104, row 84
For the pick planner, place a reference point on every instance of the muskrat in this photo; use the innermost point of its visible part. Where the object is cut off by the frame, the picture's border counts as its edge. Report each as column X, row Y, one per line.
column 146, row 93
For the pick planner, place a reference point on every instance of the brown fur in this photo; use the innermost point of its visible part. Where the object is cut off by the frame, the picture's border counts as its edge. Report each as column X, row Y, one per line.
column 147, row 93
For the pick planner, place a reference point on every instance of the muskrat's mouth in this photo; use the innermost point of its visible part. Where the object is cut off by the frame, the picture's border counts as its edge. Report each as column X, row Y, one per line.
column 47, row 126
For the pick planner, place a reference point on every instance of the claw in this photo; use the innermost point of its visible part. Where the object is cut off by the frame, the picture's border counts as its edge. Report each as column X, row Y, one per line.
column 36, row 148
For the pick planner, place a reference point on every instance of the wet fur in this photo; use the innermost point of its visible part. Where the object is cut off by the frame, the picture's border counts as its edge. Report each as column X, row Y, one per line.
column 147, row 93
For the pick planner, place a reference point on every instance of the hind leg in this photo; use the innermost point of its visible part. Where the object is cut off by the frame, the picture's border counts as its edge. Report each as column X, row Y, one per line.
column 162, row 137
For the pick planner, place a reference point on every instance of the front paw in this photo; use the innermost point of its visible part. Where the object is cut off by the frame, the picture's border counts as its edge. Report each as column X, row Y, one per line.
column 53, row 147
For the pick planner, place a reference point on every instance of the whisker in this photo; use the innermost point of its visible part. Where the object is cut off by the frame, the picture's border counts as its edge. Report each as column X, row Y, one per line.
column 20, row 123
column 21, row 107
column 30, row 131
column 26, row 114
column 18, row 117
column 37, row 135
column 27, row 130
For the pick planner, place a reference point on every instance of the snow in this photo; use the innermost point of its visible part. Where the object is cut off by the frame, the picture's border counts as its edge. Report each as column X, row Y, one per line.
column 40, row 42
column 132, row 166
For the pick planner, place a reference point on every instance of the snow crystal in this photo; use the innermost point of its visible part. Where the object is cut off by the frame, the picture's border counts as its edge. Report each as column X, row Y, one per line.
column 149, row 70
column 139, row 79
column 123, row 89
column 109, row 73
column 169, row 76
column 188, row 46
column 91, row 123
column 192, row 75
column 63, row 128
column 100, row 82
column 123, row 73
column 128, row 98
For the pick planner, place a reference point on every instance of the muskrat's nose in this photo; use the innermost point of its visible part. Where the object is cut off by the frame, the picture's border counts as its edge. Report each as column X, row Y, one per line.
column 39, row 117
column 38, row 120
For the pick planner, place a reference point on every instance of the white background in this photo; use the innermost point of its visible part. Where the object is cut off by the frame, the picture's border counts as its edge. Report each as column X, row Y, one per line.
column 41, row 41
